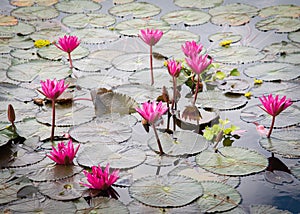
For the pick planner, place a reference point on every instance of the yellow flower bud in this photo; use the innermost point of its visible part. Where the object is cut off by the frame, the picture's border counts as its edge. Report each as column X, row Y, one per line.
column 225, row 43
column 41, row 43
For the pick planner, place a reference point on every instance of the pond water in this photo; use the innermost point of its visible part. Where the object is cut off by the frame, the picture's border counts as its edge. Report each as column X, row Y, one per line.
column 111, row 56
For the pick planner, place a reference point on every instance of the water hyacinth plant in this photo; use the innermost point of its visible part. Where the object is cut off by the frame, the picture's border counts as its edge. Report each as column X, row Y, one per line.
column 151, row 37
column 52, row 89
column 274, row 106
column 63, row 155
column 68, row 44
column 152, row 112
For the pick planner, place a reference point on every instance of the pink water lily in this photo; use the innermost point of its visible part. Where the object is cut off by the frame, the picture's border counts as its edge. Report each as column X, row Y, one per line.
column 68, row 44
column 274, row 106
column 191, row 48
column 174, row 69
column 63, row 154
column 100, row 180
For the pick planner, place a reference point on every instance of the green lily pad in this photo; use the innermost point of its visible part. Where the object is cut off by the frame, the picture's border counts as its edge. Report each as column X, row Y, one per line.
column 230, row 19
column 14, row 92
column 5, row 48
column 177, row 36
column 154, row 159
column 78, row 6
column 106, row 54
column 101, row 132
column 183, row 143
column 296, row 171
column 9, row 190
column 285, row 119
column 236, row 8
column 188, row 17
column 92, row 65
column 98, row 81
column 232, row 161
column 169, row 191
column 220, row 100
column 127, row 119
column 234, row 85
column 19, row 29
column 292, row 58
column 38, row 70
column 135, row 9
column 105, row 205
column 132, row 27
column 279, row 24
column 201, row 4
column 118, row 156
column 217, row 37
column 95, row 35
column 218, row 197
column 29, row 54
column 48, row 34
column 280, row 49
column 21, row 43
column 170, row 50
column 22, row 158
column 273, row 71
column 96, row 20
column 266, row 209
column 34, row 13
column 236, row 54
column 294, row 36
column 122, row 1
column 26, row 3
column 284, row 142
column 280, row 11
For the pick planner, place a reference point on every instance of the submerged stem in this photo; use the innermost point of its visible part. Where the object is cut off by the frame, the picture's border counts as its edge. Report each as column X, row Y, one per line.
column 151, row 66
column 161, row 152
column 272, row 126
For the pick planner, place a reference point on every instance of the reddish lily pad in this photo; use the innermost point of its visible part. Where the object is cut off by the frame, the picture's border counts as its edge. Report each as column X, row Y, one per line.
column 8, row 20
column 280, row 11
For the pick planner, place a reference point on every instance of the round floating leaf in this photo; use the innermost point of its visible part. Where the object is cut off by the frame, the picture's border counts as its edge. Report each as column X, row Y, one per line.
column 118, row 156
column 225, row 36
column 232, row 161
column 273, row 71
column 183, row 143
column 136, row 9
column 296, row 171
column 21, row 42
column 98, row 81
column 154, row 159
column 278, row 177
column 34, row 13
column 23, row 157
column 95, row 36
column 8, row 20
column 165, row 191
column 292, row 58
column 279, row 24
column 122, row 1
column 105, row 54
column 77, row 6
column 177, row 36
column 218, row 197
column 62, row 190
column 47, row 34
column 127, row 119
column 38, row 70
column 188, row 17
column 29, row 54
column 9, row 190
column 234, row 85
column 132, row 27
column 5, row 49
column 170, row 49
column 230, row 19
column 135, row 62
column 294, row 36
column 219, row 100
column 26, row 3
column 237, row 8
column 10, row 92
column 284, row 142
column 236, row 55
column 85, row 20
column 106, row 205
column 102, row 132
column 201, row 4
column 92, row 65
column 280, row 11
column 266, row 209
column 275, row 50
column 66, row 115
column 19, row 29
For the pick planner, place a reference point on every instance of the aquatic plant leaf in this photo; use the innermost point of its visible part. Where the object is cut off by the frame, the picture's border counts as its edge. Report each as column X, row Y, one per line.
column 5, row 49
column 11, row 91
column 79, row 6
column 135, row 9
column 101, row 132
column 294, row 36
column 278, row 177
column 122, row 1
column 38, row 70
column 267, row 209
column 230, row 19
column 292, row 58
column 238, row 8
column 105, row 205
column 188, row 17
column 95, row 35
column 92, row 65
column 66, row 115
column 279, row 24
column 135, row 62
column 177, row 36
column 118, row 156
column 19, row 29
column 232, row 161
column 285, row 119
column 48, row 34
column 132, row 27
column 106, row 54
column 201, row 4
column 295, row 170
column 22, row 158
column 284, row 142
column 29, row 54
column 183, row 143
column 8, row 20
column 97, row 20
column 9, row 191
column 280, row 11
column 154, row 159
column 279, row 49
column 169, row 191
column 62, row 190
column 234, row 85
column 34, row 13
column 127, row 119
column 217, row 37
column 95, row 81
column 219, row 100
column 218, row 197
column 236, row 55
column 272, row 71
column 27, row 3
column 170, row 49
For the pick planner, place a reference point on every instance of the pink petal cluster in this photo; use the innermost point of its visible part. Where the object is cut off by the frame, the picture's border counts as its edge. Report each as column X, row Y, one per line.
column 174, row 67
column 68, row 43
column 52, row 89
column 150, row 37
column 274, row 106
column 63, row 154
column 100, row 180
column 151, row 111
column 198, row 63
column 191, row 48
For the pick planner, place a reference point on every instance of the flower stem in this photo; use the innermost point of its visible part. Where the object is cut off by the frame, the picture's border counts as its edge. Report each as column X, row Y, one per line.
column 174, row 93
column 271, row 128
column 161, row 152
column 53, row 120
column 197, row 88
column 70, row 60
column 151, row 66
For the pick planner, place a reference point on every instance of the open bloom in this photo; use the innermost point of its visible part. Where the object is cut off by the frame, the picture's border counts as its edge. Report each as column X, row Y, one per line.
column 68, row 43
column 100, row 180
column 151, row 111
column 174, row 67
column 150, row 36
column 274, row 106
column 63, row 154
column 52, row 89
column 198, row 63
column 191, row 48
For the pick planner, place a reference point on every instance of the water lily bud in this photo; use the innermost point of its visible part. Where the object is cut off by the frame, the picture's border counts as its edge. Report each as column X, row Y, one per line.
column 11, row 114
